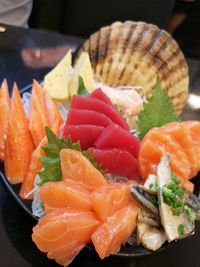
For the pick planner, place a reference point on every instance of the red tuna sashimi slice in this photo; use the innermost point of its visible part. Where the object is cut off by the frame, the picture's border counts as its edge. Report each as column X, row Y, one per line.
column 90, row 103
column 86, row 134
column 117, row 162
column 80, row 116
column 99, row 94
column 115, row 137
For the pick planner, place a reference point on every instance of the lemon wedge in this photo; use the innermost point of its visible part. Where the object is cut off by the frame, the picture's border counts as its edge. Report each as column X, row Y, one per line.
column 82, row 68
column 57, row 80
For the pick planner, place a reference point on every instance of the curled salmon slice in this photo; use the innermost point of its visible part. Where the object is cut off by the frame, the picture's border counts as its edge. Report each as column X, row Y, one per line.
column 65, row 194
column 109, row 237
column 62, row 233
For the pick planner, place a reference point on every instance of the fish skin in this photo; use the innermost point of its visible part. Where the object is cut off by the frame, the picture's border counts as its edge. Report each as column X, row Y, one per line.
column 19, row 144
column 4, row 115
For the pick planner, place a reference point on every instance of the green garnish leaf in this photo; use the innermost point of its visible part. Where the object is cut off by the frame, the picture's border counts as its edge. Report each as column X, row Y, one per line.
column 51, row 162
column 151, row 186
column 81, row 87
column 154, row 200
column 181, row 229
column 157, row 111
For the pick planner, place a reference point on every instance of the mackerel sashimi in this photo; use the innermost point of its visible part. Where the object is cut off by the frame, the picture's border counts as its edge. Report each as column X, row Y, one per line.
column 115, row 137
column 62, row 233
column 90, row 103
column 117, row 162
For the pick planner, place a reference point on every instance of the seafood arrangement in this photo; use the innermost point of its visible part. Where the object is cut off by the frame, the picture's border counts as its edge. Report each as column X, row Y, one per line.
column 100, row 148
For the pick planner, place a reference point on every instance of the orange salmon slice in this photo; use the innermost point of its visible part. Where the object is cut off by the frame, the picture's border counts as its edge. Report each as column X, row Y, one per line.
column 19, row 143
column 63, row 233
column 4, row 115
column 77, row 167
column 194, row 128
column 109, row 237
column 163, row 142
column 35, row 166
column 65, row 194
column 183, row 137
column 107, row 199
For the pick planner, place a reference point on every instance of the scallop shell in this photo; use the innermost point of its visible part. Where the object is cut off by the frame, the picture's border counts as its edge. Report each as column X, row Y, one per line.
column 135, row 53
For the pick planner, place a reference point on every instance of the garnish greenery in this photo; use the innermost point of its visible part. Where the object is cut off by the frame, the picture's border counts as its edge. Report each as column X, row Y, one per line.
column 158, row 110
column 154, row 200
column 81, row 87
column 51, row 162
column 181, row 229
column 171, row 196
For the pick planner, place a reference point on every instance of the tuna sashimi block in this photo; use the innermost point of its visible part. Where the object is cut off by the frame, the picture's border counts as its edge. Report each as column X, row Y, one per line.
column 90, row 103
column 117, row 162
column 80, row 116
column 86, row 134
column 115, row 137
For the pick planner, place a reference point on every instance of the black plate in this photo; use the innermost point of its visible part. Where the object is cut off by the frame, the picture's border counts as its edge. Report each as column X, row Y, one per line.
column 126, row 251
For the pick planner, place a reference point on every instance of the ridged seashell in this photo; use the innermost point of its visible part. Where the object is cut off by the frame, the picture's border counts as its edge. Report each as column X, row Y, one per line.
column 135, row 53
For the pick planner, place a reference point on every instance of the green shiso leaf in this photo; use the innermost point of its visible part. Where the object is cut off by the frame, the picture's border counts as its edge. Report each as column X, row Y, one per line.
column 81, row 87
column 51, row 163
column 158, row 111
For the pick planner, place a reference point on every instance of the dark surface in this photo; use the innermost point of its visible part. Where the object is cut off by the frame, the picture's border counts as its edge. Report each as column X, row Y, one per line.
column 16, row 247
column 83, row 17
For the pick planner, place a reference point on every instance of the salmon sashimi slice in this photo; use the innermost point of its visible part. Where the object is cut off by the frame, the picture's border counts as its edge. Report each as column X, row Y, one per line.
column 149, row 166
column 19, row 144
column 52, row 111
column 178, row 160
column 63, row 233
column 65, row 194
column 109, row 237
column 194, row 128
column 38, row 118
column 183, row 137
column 35, row 166
column 64, row 255
column 4, row 115
column 106, row 200
column 77, row 167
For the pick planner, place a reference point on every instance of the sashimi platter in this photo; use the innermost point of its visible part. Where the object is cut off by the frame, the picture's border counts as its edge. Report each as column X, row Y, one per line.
column 98, row 149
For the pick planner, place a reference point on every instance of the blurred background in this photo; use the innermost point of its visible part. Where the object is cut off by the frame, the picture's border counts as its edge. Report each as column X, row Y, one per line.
column 83, row 17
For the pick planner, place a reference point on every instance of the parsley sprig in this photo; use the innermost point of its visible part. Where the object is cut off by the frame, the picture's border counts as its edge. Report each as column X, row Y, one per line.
column 171, row 196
